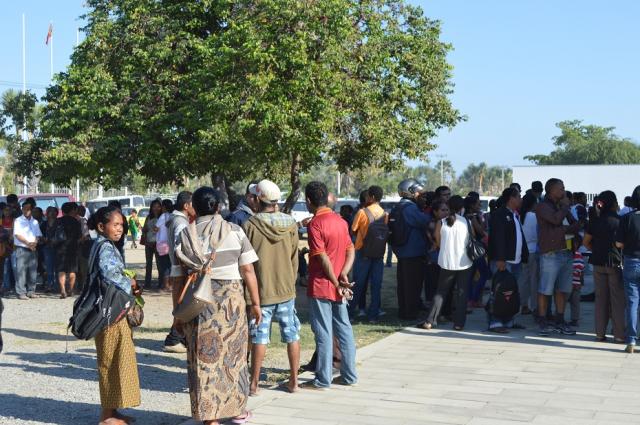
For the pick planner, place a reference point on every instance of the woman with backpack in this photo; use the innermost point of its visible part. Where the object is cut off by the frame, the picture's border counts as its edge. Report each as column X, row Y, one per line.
column 117, row 367
column 599, row 238
column 452, row 237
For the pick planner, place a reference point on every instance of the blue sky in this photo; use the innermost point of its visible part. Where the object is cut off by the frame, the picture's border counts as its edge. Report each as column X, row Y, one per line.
column 520, row 67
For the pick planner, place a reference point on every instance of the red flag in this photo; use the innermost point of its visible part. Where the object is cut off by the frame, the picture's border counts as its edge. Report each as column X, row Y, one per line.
column 49, row 34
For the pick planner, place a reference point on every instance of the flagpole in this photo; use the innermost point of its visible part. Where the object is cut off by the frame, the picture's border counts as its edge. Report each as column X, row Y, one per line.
column 24, row 90
column 24, row 57
column 51, row 50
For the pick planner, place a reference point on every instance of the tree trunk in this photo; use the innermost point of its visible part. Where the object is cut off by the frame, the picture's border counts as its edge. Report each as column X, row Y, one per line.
column 296, row 185
column 219, row 182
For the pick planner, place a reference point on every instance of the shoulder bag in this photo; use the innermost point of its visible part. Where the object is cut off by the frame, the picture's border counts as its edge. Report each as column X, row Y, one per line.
column 475, row 248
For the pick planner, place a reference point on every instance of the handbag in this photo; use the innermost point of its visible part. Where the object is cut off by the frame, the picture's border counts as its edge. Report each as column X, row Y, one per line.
column 196, row 294
column 135, row 315
column 475, row 248
column 614, row 257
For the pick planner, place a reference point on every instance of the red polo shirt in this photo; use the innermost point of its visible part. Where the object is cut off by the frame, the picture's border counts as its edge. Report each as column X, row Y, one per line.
column 328, row 233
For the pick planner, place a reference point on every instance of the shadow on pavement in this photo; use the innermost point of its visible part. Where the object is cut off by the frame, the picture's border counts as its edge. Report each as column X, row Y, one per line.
column 519, row 336
column 46, row 410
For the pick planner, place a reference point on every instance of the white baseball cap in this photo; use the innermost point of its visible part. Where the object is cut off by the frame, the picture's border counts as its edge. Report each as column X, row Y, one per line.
column 268, row 192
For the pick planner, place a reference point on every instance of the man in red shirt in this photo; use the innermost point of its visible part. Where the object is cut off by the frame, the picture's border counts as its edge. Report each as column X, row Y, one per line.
column 330, row 260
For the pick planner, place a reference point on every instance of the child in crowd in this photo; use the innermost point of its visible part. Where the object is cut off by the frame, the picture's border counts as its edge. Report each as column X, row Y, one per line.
column 134, row 228
column 117, row 368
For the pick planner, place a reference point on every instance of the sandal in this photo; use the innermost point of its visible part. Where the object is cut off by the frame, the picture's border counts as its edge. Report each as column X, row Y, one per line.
column 242, row 419
column 426, row 325
column 63, row 296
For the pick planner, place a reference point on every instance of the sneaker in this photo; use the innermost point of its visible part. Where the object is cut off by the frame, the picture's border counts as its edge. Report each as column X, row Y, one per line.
column 565, row 329
column 23, row 297
column 341, row 381
column 31, row 295
column 311, row 385
column 546, row 330
column 178, row 348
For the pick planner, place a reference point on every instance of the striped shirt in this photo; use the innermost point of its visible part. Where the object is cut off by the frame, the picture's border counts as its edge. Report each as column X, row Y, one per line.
column 234, row 251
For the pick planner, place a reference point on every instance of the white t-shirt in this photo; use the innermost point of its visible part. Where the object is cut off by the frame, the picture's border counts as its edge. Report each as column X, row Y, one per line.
column 453, row 245
column 161, row 224
column 530, row 228
column 28, row 228
column 519, row 241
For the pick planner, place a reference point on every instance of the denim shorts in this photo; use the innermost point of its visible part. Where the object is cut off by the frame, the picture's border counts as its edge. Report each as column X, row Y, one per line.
column 556, row 272
column 285, row 314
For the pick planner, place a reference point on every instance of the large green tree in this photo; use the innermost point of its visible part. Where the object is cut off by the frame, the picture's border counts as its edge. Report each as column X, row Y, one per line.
column 175, row 89
column 579, row 143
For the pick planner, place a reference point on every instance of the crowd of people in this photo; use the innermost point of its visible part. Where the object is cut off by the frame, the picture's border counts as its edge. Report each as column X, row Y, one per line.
column 532, row 249
column 537, row 244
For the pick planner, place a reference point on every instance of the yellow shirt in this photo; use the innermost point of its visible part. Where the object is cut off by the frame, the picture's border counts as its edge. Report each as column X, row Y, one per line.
column 360, row 225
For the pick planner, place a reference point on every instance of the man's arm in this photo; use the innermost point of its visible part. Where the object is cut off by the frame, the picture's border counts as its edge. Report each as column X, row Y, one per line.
column 415, row 218
column 348, row 264
column 545, row 213
column 327, row 268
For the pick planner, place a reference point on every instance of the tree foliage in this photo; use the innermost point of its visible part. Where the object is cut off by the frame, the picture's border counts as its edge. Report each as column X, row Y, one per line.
column 588, row 144
column 176, row 89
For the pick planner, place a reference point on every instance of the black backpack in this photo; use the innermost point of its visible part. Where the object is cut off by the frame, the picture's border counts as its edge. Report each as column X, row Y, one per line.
column 100, row 304
column 504, row 302
column 59, row 234
column 398, row 229
column 374, row 244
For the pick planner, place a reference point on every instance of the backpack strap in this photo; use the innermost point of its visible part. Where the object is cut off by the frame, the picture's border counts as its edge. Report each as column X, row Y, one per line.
column 369, row 215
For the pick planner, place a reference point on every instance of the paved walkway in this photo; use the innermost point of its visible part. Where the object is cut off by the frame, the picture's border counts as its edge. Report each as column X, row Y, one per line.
column 417, row 377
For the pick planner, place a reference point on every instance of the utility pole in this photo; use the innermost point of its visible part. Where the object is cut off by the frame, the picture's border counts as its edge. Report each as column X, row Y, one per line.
column 441, row 157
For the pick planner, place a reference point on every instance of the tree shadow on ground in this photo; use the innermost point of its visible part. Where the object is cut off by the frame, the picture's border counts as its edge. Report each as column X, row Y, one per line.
column 62, row 412
column 81, row 366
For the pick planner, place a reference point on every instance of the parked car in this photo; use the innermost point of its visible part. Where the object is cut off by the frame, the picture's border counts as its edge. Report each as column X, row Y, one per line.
column 134, row 201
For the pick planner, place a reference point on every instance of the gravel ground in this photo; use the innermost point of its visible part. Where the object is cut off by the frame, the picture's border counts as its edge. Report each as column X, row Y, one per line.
column 40, row 383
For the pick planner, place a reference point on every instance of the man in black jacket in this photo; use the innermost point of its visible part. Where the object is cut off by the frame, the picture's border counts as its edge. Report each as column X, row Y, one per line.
column 507, row 246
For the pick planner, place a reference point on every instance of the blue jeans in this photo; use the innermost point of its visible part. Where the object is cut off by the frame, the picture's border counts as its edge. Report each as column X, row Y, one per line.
column 556, row 272
column 330, row 318
column 367, row 270
column 631, row 278
column 50, row 266
column 8, row 280
column 504, row 322
column 475, row 288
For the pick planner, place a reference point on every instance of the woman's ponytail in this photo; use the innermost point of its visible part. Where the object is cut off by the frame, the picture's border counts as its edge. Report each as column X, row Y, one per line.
column 456, row 204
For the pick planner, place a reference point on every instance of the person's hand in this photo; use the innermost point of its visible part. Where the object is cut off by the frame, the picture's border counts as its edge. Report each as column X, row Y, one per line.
column 501, row 265
column 306, row 221
column 137, row 291
column 343, row 280
column 564, row 202
column 256, row 313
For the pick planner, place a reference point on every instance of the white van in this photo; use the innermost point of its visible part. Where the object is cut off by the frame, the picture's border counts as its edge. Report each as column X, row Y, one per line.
column 133, row 201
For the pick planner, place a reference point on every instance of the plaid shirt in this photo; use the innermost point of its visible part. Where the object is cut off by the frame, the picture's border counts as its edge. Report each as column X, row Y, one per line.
column 276, row 219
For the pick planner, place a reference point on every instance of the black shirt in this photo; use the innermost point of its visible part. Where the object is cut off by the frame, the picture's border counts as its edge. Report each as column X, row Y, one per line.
column 603, row 231
column 629, row 234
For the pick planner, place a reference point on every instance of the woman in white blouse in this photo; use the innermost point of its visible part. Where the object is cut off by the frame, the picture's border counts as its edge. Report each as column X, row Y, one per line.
column 528, row 280
column 452, row 237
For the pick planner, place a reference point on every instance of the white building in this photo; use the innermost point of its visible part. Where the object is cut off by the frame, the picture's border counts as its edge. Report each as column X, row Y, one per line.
column 590, row 179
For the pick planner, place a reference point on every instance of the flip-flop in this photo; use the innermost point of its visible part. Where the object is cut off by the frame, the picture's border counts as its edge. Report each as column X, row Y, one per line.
column 243, row 420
